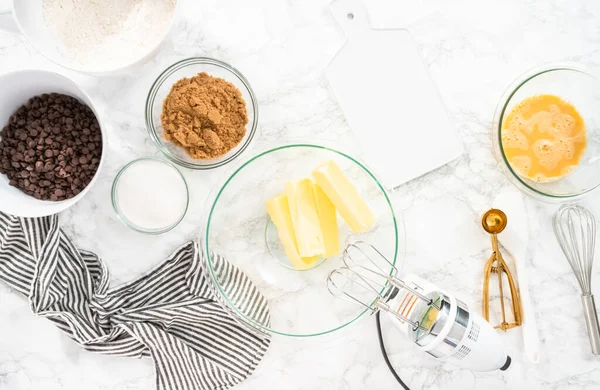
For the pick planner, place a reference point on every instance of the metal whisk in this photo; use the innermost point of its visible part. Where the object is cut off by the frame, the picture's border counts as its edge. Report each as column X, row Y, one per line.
column 575, row 230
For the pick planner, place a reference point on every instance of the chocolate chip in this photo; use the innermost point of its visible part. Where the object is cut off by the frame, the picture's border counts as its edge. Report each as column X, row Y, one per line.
column 51, row 147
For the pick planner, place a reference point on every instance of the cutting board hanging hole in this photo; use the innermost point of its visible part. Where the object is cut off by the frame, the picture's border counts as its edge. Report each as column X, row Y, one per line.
column 351, row 15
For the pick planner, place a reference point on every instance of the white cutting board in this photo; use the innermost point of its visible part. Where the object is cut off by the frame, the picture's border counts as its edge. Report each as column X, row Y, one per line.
column 389, row 99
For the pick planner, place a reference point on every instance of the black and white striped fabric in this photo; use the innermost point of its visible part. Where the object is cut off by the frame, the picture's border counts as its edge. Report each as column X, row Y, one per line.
column 170, row 314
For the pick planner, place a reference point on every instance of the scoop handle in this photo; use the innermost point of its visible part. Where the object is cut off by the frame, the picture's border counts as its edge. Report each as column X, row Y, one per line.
column 591, row 322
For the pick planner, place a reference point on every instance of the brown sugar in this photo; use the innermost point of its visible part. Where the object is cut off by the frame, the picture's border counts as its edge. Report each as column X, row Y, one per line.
column 205, row 115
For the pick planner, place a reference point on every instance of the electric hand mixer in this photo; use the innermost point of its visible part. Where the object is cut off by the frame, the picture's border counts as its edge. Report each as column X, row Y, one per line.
column 434, row 320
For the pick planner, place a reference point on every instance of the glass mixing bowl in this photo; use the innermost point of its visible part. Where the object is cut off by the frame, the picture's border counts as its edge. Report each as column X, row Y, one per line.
column 576, row 85
column 159, row 209
column 236, row 226
column 189, row 68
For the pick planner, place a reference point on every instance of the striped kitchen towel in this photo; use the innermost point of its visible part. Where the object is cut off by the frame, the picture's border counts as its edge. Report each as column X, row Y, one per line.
column 170, row 314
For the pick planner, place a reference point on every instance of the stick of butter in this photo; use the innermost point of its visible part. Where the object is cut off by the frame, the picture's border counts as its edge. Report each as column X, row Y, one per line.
column 304, row 217
column 344, row 196
column 279, row 211
column 328, row 220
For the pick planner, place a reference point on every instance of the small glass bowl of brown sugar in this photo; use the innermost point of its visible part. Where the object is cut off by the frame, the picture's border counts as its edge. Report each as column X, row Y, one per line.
column 201, row 113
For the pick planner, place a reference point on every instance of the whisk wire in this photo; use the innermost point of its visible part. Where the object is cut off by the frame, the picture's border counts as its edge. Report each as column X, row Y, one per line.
column 575, row 229
column 579, row 245
column 592, row 244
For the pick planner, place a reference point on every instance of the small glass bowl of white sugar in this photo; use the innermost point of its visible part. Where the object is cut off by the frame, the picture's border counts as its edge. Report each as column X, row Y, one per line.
column 150, row 195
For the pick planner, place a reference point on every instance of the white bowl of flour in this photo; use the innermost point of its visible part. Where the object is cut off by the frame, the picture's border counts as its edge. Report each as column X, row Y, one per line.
column 92, row 36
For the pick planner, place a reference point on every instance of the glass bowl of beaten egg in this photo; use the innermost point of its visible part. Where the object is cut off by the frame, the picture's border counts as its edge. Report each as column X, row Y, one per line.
column 545, row 133
column 238, row 226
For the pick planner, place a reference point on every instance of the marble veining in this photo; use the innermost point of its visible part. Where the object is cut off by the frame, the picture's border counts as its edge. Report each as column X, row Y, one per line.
column 473, row 50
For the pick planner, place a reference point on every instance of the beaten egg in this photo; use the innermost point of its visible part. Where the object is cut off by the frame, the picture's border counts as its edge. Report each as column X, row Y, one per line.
column 543, row 138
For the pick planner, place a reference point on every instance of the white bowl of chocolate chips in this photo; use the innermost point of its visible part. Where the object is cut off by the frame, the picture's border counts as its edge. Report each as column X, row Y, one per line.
column 51, row 143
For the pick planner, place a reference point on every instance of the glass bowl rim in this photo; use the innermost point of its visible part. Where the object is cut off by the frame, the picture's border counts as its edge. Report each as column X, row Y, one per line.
column 223, row 181
column 129, row 224
column 500, row 113
column 158, row 83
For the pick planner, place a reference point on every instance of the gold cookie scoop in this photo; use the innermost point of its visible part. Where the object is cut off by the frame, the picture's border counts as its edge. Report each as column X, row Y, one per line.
column 494, row 221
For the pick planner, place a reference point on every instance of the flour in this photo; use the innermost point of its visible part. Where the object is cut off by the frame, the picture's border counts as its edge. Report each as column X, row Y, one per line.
column 107, row 34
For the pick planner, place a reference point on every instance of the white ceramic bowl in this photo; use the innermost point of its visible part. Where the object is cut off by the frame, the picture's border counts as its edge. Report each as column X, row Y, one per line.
column 29, row 17
column 16, row 89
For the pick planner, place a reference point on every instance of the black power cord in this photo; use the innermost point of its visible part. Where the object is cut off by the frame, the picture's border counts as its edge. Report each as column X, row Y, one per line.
column 385, row 355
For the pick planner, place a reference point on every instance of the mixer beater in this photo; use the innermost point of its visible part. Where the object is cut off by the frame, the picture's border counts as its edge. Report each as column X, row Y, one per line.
column 366, row 277
column 433, row 319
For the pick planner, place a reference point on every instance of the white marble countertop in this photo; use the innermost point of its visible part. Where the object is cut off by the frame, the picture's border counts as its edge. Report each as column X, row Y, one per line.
column 474, row 49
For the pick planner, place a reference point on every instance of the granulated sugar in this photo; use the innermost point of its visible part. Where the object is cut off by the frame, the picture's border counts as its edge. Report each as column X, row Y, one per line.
column 151, row 195
column 102, row 35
